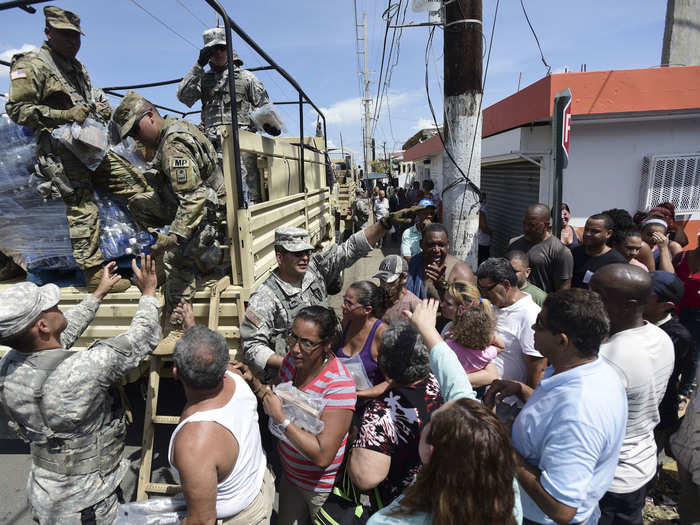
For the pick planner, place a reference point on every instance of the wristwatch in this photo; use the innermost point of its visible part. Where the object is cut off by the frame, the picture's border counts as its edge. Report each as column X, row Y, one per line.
column 285, row 424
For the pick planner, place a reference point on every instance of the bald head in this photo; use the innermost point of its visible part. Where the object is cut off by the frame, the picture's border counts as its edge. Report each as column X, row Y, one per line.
column 539, row 210
column 536, row 223
column 626, row 281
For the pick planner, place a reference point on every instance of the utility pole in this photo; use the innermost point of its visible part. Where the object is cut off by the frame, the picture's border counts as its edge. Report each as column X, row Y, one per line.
column 462, row 129
column 366, row 100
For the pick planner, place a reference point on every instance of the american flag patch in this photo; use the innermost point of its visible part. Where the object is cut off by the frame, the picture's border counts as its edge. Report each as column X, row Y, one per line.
column 253, row 317
column 18, row 73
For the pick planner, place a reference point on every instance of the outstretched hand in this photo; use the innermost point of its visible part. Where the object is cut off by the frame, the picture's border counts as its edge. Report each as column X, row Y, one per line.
column 183, row 314
column 145, row 276
column 110, row 277
column 404, row 216
column 424, row 318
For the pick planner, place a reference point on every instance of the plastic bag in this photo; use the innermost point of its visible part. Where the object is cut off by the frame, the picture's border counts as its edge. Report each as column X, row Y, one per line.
column 119, row 234
column 303, row 408
column 88, row 141
column 357, row 371
column 128, row 150
column 155, row 511
column 267, row 114
column 33, row 232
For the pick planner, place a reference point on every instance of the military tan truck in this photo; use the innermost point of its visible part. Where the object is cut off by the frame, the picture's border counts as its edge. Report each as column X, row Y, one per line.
column 344, row 191
column 293, row 182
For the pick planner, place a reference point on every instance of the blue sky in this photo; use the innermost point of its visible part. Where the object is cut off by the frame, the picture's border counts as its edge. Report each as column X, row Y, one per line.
column 314, row 41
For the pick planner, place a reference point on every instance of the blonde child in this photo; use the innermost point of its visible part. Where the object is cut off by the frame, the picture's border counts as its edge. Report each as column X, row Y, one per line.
column 471, row 333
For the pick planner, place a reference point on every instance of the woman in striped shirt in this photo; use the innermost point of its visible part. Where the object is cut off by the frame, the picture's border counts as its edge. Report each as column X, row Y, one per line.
column 311, row 462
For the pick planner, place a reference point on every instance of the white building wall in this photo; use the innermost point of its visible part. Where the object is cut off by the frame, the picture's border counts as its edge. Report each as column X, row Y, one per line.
column 605, row 164
column 605, row 161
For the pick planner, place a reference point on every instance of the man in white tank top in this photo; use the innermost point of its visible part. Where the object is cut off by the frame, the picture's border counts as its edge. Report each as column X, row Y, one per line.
column 216, row 450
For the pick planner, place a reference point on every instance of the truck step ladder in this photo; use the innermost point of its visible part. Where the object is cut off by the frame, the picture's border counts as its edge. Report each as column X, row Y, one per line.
column 159, row 366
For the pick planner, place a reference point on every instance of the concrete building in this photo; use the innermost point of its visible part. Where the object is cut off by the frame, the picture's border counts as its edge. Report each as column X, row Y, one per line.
column 635, row 142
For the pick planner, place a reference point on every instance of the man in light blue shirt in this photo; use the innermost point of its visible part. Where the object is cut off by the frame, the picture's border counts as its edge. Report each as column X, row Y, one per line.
column 410, row 240
column 570, row 431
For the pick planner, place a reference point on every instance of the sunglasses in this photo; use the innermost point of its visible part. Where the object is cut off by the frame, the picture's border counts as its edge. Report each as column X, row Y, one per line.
column 302, row 253
column 135, row 127
column 486, row 289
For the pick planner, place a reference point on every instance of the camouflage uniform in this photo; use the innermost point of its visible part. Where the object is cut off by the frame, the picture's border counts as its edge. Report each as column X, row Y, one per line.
column 61, row 403
column 190, row 185
column 213, row 90
column 275, row 303
column 42, row 85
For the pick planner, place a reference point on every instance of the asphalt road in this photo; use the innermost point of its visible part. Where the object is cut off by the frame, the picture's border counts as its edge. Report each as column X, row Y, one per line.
column 14, row 454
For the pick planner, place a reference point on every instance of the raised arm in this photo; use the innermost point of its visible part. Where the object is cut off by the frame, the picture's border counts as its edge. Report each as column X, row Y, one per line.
column 454, row 382
column 83, row 314
column 189, row 89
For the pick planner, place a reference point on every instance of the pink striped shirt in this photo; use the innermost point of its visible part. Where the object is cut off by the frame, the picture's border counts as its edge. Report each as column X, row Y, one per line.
column 336, row 386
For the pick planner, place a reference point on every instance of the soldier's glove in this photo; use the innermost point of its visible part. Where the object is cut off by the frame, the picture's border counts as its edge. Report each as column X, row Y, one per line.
column 204, row 56
column 51, row 179
column 271, row 130
column 76, row 114
column 404, row 216
column 163, row 242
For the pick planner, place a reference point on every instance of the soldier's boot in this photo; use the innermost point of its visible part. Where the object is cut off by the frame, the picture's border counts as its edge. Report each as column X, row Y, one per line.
column 93, row 276
column 167, row 345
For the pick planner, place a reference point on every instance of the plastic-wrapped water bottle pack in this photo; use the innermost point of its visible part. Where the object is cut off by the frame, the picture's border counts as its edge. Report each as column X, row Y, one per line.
column 34, row 232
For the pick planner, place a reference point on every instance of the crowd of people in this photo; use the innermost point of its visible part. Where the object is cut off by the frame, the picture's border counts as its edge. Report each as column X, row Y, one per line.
column 537, row 388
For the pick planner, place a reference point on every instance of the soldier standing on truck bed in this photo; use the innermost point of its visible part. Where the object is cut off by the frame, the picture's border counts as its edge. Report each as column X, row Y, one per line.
column 50, row 87
column 189, row 190
column 301, row 279
column 212, row 87
column 63, row 403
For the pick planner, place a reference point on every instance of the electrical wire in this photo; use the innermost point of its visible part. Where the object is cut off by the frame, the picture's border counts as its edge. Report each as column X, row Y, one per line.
column 162, row 23
column 193, row 15
column 549, row 69
column 466, row 178
column 388, row 15
column 381, row 67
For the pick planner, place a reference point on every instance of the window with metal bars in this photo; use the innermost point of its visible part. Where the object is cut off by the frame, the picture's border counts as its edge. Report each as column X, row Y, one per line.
column 671, row 178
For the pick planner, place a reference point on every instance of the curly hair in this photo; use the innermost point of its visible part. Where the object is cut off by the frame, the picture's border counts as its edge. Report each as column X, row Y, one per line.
column 470, row 472
column 474, row 322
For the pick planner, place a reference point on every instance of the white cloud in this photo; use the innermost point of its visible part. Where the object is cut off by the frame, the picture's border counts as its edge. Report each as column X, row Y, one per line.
column 348, row 111
column 7, row 56
column 423, row 123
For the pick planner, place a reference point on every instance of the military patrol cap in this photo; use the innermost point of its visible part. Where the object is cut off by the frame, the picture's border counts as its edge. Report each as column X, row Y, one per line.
column 391, row 268
column 216, row 36
column 61, row 19
column 293, row 239
column 129, row 110
column 22, row 303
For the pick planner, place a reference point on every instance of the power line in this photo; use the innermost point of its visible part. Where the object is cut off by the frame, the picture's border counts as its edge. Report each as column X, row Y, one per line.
column 193, row 15
column 381, row 67
column 162, row 23
column 549, row 69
